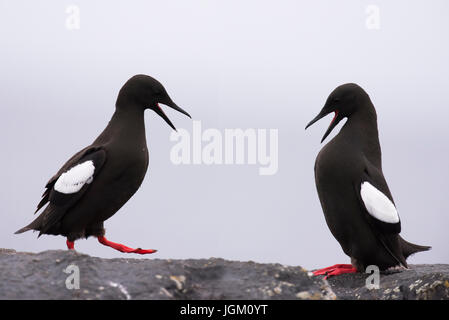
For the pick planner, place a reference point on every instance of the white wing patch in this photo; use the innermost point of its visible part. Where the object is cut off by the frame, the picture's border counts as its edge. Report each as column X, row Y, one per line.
column 74, row 179
column 377, row 204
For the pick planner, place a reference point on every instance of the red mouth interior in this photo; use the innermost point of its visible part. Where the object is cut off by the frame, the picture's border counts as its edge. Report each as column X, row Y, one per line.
column 335, row 116
column 160, row 108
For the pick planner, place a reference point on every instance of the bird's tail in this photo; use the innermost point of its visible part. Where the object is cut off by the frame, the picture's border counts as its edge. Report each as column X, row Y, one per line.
column 24, row 229
column 411, row 248
column 31, row 226
column 35, row 225
column 45, row 221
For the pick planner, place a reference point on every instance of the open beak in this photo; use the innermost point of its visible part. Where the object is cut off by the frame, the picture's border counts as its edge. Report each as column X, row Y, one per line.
column 334, row 122
column 168, row 102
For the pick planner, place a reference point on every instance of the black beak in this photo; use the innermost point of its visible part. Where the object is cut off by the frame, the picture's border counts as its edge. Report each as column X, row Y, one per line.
column 334, row 122
column 169, row 102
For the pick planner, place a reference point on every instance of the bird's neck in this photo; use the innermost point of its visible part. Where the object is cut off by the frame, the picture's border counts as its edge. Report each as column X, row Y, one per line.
column 361, row 127
column 126, row 123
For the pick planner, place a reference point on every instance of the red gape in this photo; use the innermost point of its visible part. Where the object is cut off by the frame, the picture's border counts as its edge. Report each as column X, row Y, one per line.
column 70, row 245
column 335, row 270
column 335, row 116
column 123, row 248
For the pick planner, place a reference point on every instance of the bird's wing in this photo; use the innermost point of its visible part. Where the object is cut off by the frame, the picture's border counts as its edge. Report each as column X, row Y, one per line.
column 66, row 187
column 380, row 211
column 72, row 180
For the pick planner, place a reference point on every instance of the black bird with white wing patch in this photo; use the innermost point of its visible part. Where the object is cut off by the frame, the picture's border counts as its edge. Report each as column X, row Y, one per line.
column 356, row 201
column 98, row 180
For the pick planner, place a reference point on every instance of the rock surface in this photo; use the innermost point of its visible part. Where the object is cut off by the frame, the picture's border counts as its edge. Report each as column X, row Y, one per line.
column 419, row 282
column 52, row 275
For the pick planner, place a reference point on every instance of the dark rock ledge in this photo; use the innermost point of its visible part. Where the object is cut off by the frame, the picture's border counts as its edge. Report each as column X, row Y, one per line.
column 47, row 275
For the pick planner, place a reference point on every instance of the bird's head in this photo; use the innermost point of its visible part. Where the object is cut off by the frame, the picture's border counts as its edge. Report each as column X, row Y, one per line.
column 344, row 101
column 146, row 92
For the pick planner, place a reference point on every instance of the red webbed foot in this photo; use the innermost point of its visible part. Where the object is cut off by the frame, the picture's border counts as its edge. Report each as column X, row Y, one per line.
column 335, row 270
column 70, row 244
column 123, row 248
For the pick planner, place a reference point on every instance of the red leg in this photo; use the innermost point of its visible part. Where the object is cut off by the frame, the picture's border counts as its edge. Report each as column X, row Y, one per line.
column 123, row 248
column 335, row 270
column 70, row 244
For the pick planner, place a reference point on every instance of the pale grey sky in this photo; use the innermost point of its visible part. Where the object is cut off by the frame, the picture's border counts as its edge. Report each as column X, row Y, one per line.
column 230, row 64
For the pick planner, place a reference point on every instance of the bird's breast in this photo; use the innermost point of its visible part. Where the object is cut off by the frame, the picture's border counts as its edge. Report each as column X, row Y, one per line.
column 126, row 165
column 338, row 166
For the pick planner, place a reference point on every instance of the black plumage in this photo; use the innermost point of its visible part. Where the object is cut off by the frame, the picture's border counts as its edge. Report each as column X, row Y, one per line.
column 366, row 233
column 98, row 180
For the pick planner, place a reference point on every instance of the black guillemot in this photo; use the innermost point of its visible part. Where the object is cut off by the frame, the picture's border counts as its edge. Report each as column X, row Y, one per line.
column 98, row 180
column 355, row 198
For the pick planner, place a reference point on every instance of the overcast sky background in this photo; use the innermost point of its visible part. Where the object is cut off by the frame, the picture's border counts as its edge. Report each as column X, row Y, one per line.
column 231, row 64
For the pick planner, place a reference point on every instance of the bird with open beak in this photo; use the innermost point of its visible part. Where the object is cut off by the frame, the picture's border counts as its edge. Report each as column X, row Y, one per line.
column 357, row 203
column 98, row 180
